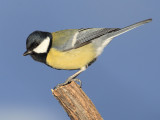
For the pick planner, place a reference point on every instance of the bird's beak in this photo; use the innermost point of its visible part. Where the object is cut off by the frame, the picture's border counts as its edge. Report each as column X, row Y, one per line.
column 27, row 53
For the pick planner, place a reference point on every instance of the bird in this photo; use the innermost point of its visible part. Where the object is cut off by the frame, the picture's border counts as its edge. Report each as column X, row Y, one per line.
column 72, row 49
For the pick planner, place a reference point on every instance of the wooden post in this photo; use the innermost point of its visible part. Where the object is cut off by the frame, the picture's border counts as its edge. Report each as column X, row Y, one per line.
column 76, row 103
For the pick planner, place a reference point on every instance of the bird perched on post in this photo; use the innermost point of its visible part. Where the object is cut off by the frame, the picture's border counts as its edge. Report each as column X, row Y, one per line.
column 72, row 49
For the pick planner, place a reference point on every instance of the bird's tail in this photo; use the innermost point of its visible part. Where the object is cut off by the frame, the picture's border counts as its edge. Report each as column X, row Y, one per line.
column 128, row 28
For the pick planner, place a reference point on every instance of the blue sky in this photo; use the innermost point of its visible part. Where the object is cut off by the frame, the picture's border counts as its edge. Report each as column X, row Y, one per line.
column 123, row 83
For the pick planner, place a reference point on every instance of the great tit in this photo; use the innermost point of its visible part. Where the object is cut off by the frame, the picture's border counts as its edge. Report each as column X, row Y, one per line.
column 72, row 49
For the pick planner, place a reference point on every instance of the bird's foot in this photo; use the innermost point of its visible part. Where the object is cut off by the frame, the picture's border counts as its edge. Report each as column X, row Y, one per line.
column 69, row 80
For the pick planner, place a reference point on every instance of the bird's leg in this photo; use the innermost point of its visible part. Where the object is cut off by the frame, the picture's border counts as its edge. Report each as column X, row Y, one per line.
column 72, row 78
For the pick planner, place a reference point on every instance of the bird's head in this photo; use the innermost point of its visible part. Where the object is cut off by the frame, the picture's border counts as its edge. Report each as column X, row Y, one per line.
column 38, row 42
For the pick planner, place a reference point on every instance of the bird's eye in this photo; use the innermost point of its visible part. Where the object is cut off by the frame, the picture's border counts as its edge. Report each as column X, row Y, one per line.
column 35, row 44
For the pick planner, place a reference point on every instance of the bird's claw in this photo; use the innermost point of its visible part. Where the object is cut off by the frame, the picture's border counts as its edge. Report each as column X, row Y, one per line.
column 69, row 81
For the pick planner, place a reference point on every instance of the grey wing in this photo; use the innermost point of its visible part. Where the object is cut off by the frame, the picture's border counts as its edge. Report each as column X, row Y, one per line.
column 85, row 36
column 103, row 35
column 99, row 36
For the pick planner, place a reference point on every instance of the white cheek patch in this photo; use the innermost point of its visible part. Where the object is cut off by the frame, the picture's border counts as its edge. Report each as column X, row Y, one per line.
column 43, row 46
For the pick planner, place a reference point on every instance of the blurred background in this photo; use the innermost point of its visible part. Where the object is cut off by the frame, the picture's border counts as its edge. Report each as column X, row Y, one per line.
column 124, row 83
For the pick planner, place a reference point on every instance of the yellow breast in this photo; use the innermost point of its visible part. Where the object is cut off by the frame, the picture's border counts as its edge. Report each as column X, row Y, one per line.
column 72, row 59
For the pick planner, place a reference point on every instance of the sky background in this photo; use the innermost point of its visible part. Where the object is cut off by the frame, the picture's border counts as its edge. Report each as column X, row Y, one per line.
column 124, row 83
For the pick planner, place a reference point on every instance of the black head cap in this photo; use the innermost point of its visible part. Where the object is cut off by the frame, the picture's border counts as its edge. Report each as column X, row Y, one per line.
column 34, row 39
